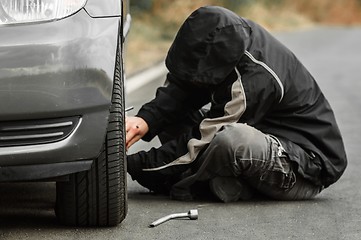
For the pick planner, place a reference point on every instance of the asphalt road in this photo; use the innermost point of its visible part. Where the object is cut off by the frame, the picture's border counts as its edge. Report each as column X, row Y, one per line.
column 333, row 55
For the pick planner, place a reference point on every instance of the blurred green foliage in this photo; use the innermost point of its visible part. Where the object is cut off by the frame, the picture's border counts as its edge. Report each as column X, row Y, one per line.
column 234, row 4
column 155, row 22
column 141, row 5
column 148, row 5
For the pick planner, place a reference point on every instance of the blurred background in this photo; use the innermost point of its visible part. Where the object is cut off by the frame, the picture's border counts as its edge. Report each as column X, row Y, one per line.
column 155, row 22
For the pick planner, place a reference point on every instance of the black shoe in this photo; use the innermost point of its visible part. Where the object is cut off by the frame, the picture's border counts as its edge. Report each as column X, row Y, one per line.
column 230, row 189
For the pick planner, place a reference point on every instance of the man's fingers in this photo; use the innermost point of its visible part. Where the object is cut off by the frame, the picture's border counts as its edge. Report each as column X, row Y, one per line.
column 132, row 141
column 132, row 136
column 127, row 125
column 135, row 128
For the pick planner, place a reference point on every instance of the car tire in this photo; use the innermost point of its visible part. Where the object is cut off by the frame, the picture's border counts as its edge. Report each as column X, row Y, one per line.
column 98, row 197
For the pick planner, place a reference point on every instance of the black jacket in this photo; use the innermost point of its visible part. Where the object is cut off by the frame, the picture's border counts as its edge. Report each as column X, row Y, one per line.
column 248, row 76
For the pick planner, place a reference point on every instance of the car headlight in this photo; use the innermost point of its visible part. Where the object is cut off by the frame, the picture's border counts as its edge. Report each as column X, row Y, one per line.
column 25, row 11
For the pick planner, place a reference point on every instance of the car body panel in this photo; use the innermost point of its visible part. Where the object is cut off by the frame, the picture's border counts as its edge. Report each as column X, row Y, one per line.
column 58, row 69
column 60, row 72
column 42, row 171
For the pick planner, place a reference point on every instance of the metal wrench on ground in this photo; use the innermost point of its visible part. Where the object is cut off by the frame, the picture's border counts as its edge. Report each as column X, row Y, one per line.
column 191, row 214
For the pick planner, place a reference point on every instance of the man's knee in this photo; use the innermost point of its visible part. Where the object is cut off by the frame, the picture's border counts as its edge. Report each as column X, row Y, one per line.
column 240, row 137
column 242, row 146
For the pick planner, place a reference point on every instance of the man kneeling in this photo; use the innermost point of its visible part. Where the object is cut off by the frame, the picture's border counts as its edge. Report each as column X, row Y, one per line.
column 269, row 128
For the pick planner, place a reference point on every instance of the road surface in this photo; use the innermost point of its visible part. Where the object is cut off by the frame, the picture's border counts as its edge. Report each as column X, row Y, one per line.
column 333, row 55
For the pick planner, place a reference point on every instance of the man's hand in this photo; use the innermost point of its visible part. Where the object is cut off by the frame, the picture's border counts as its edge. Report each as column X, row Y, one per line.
column 136, row 128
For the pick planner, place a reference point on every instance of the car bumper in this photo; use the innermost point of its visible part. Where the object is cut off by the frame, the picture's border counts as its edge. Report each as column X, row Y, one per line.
column 53, row 171
column 53, row 71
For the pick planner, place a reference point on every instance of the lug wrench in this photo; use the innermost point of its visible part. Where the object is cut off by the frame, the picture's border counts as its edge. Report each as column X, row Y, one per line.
column 191, row 214
column 129, row 108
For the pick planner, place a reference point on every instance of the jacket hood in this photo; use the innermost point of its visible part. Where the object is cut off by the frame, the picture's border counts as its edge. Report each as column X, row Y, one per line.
column 207, row 47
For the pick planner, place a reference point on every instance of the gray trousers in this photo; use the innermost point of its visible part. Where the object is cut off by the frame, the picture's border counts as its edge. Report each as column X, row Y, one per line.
column 244, row 152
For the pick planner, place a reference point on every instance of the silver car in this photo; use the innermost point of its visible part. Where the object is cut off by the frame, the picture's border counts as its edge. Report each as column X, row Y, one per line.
column 62, row 103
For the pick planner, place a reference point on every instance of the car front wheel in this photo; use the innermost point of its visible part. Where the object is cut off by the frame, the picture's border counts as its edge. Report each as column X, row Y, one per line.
column 98, row 196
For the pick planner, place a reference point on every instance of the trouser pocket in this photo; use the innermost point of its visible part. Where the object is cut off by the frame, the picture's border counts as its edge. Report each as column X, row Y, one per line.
column 278, row 171
column 279, row 177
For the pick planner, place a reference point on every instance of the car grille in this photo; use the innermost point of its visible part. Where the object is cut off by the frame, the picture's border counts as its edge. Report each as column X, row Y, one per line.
column 31, row 132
